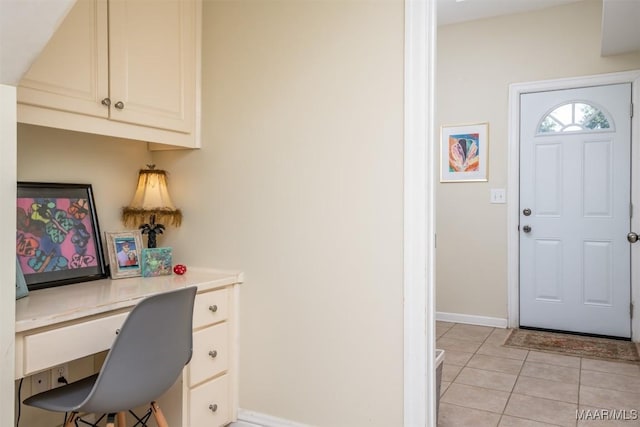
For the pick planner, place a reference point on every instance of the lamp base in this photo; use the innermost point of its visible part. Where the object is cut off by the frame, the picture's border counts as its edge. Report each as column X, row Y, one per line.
column 152, row 229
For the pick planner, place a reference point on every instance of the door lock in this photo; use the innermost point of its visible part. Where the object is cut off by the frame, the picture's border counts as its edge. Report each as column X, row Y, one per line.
column 526, row 212
column 632, row 237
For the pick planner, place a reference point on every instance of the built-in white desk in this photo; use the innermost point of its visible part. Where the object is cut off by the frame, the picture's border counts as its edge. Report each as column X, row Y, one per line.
column 65, row 323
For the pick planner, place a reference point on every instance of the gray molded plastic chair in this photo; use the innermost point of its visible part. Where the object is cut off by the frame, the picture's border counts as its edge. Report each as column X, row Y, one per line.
column 147, row 356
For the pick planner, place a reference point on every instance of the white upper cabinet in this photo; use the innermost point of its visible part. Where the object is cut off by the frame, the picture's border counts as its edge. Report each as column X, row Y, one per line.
column 151, row 63
column 124, row 68
column 72, row 72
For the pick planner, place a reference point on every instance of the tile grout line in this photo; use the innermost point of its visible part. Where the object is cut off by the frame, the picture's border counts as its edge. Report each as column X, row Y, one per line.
column 579, row 388
column 514, row 387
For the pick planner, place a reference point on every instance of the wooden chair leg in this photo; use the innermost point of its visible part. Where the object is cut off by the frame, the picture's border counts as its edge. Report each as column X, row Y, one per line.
column 122, row 419
column 111, row 420
column 71, row 421
column 157, row 414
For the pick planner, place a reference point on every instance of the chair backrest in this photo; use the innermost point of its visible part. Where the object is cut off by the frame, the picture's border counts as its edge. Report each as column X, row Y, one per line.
column 147, row 356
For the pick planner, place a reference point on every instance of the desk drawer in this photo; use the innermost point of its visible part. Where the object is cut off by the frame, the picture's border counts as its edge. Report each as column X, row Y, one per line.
column 210, row 307
column 209, row 404
column 50, row 348
column 210, row 353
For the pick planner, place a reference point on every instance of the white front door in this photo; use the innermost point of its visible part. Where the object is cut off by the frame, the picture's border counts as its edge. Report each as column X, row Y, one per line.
column 575, row 150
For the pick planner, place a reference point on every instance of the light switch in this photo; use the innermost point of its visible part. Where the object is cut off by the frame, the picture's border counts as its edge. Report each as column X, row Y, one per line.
column 498, row 195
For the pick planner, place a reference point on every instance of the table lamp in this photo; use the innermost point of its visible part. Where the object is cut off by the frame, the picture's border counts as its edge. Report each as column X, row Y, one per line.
column 151, row 202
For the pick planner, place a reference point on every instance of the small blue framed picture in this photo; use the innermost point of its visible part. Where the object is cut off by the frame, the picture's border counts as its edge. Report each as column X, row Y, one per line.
column 156, row 262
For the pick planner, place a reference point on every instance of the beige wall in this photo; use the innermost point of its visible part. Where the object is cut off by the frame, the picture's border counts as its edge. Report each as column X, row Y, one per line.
column 476, row 62
column 110, row 165
column 299, row 184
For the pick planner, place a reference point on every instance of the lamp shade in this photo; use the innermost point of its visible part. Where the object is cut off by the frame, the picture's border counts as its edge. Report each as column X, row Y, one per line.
column 151, row 198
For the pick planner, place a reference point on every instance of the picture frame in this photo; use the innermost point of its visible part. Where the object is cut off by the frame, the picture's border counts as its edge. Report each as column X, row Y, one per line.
column 464, row 153
column 21, row 286
column 124, row 249
column 156, row 262
column 57, row 234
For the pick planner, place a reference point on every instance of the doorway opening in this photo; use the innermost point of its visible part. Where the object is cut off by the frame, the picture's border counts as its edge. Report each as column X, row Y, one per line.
column 514, row 171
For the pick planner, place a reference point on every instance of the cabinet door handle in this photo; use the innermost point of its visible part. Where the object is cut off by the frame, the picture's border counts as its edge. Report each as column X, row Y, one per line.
column 119, row 105
column 213, row 407
column 106, row 102
column 213, row 308
column 213, row 353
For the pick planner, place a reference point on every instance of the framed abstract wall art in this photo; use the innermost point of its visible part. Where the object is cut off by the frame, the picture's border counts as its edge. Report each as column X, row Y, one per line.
column 124, row 249
column 57, row 236
column 463, row 153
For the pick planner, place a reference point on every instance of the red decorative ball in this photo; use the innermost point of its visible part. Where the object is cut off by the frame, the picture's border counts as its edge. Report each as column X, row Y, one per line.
column 180, row 269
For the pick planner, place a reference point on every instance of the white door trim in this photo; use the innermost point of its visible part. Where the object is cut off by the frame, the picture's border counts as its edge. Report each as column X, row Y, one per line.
column 513, row 173
column 419, row 294
column 8, row 171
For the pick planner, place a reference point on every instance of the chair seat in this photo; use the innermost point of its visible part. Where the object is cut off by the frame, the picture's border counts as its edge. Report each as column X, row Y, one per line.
column 67, row 398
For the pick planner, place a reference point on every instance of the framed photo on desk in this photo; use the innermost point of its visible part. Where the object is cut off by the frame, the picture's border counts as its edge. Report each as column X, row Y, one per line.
column 124, row 249
column 57, row 234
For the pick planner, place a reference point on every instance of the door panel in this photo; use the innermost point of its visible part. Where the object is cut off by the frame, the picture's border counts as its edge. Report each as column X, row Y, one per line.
column 548, row 179
column 575, row 148
column 548, row 282
column 597, row 272
column 597, row 184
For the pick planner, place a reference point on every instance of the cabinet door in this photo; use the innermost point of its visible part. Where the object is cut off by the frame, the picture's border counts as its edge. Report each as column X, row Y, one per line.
column 152, row 63
column 71, row 72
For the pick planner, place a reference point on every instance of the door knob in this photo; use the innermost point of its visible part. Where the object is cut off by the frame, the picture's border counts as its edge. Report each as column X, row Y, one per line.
column 632, row 237
column 526, row 229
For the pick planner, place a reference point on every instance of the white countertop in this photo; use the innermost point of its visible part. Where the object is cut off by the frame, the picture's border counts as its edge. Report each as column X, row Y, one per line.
column 45, row 307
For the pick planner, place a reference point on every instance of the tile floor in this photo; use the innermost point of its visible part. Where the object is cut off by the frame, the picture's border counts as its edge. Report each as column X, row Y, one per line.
column 486, row 384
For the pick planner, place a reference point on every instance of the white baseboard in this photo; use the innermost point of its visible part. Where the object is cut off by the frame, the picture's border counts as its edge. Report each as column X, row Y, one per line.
column 495, row 322
column 242, row 424
column 263, row 420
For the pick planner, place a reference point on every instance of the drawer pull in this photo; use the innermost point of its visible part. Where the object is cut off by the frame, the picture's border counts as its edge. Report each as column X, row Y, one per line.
column 213, row 308
column 118, row 331
column 213, row 353
column 213, row 407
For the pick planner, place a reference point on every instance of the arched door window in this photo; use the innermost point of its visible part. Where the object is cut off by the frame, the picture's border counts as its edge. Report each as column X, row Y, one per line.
column 575, row 116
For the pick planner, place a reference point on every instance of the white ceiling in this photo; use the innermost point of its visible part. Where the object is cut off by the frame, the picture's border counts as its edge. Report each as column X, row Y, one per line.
column 25, row 28
column 620, row 18
column 455, row 11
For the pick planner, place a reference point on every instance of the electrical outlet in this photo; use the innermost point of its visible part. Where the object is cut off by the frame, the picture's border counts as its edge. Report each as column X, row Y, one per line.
column 40, row 382
column 60, row 371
